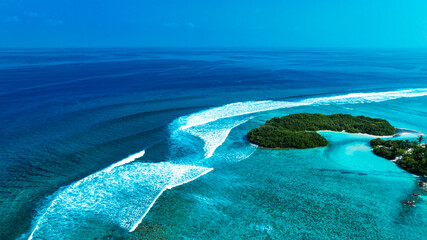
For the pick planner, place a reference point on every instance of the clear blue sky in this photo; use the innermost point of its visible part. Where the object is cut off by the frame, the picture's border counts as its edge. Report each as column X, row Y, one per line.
column 213, row 23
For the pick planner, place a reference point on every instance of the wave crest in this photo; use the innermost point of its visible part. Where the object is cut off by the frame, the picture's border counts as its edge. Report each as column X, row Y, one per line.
column 121, row 194
column 209, row 126
column 124, row 192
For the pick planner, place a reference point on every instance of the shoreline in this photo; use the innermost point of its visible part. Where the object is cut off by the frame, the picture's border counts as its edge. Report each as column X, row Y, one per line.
column 403, row 132
column 286, row 148
column 360, row 134
column 399, row 132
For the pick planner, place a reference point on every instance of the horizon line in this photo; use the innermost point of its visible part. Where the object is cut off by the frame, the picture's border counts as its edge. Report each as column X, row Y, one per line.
column 217, row 47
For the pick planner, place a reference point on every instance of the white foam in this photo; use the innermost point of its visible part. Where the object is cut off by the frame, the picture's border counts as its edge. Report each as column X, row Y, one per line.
column 129, row 159
column 206, row 124
column 244, row 108
column 358, row 134
column 164, row 189
column 405, row 131
column 124, row 161
column 354, row 98
column 122, row 195
column 214, row 136
column 240, row 154
column 231, row 110
column 125, row 192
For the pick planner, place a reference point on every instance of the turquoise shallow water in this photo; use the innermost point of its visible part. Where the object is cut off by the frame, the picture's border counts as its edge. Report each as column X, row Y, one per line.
column 341, row 191
column 60, row 137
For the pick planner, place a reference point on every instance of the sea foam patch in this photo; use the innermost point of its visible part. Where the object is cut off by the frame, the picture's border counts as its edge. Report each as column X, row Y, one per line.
column 214, row 135
column 121, row 195
column 244, row 108
column 354, row 98
column 124, row 193
column 231, row 110
column 209, row 126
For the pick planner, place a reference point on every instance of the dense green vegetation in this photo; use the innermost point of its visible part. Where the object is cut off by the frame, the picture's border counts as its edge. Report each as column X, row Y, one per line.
column 273, row 137
column 335, row 122
column 410, row 156
column 298, row 130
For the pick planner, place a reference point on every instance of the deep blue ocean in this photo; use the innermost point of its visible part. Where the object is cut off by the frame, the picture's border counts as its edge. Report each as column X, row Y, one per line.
column 150, row 144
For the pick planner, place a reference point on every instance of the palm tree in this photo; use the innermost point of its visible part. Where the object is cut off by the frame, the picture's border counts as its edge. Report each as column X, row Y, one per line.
column 420, row 139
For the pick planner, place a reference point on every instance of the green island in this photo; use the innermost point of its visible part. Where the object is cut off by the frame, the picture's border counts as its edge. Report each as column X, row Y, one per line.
column 299, row 130
column 409, row 155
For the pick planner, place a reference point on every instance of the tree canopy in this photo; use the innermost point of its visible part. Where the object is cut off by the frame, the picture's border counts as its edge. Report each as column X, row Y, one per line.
column 298, row 130
column 410, row 156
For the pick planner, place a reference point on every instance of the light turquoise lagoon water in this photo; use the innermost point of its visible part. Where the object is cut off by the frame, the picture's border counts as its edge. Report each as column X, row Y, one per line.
column 342, row 191
column 70, row 119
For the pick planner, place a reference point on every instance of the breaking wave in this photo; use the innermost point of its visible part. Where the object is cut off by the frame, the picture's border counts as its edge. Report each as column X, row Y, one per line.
column 245, row 108
column 214, row 135
column 212, row 125
column 121, row 194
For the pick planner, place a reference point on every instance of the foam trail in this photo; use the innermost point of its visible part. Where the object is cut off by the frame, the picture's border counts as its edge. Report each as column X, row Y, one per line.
column 231, row 110
column 404, row 131
column 354, row 98
column 237, row 153
column 124, row 161
column 206, row 124
column 215, row 135
column 253, row 149
column 244, row 108
column 166, row 188
column 129, row 159
column 123, row 195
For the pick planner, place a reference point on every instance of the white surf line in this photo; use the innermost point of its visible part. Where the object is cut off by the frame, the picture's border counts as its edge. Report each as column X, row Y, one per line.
column 374, row 96
column 129, row 159
column 258, row 106
column 360, row 134
column 190, row 122
column 124, row 161
column 209, row 153
column 255, row 147
column 35, row 229
column 164, row 189
column 405, row 131
column 216, row 113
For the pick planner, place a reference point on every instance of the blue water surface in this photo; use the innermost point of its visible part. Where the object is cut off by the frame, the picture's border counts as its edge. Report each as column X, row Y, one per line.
column 66, row 114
